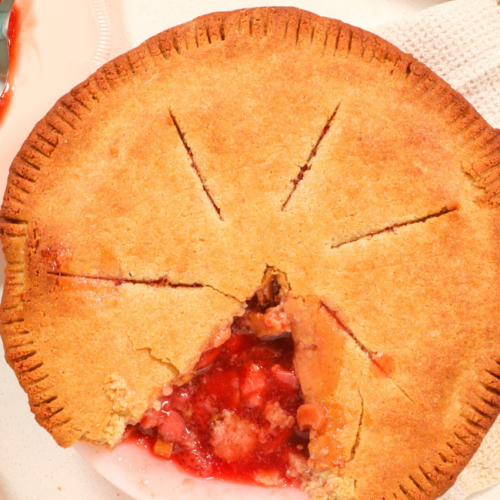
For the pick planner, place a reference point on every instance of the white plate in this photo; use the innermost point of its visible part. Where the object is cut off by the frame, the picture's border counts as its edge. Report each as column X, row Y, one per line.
column 143, row 476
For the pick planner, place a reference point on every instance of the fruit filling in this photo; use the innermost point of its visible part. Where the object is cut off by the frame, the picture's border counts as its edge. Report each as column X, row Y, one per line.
column 236, row 419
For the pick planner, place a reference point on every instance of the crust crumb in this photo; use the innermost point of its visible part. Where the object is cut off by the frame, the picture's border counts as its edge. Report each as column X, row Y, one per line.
column 233, row 437
column 114, row 430
column 118, row 392
column 278, row 417
column 121, row 396
column 269, row 478
column 327, row 485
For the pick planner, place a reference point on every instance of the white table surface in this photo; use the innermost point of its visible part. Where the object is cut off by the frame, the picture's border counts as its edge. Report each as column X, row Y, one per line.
column 32, row 466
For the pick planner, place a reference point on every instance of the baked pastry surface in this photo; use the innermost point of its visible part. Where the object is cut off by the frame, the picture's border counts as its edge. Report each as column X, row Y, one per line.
column 146, row 207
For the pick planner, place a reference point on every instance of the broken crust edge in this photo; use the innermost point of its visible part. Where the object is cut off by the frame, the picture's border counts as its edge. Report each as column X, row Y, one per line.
column 70, row 113
column 300, row 30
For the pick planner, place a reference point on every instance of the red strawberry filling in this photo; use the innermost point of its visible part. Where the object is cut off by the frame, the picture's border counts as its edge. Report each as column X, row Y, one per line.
column 236, row 418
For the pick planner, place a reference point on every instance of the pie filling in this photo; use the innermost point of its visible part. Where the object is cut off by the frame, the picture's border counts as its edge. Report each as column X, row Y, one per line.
column 242, row 416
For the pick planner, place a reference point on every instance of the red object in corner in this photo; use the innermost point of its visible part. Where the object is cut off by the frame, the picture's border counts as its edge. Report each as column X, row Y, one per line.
column 13, row 37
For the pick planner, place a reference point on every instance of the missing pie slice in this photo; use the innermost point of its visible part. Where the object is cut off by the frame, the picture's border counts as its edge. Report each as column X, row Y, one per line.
column 251, row 160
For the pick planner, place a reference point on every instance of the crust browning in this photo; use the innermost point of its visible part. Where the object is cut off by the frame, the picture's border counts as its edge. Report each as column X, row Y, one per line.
column 144, row 209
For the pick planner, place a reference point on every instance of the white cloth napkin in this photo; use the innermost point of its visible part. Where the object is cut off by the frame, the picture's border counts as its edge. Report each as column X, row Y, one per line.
column 460, row 41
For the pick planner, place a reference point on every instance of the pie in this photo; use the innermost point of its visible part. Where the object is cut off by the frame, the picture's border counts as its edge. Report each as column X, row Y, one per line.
column 258, row 159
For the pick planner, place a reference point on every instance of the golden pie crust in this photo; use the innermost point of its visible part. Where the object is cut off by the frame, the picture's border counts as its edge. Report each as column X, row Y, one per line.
column 145, row 208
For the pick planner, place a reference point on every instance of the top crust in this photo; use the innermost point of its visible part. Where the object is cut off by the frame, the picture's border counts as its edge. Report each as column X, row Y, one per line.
column 145, row 208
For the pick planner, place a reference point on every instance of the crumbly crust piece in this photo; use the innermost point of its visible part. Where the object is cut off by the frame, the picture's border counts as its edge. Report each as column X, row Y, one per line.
column 145, row 208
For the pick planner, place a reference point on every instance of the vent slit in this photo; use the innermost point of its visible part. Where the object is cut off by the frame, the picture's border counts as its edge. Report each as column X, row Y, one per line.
column 367, row 351
column 194, row 165
column 444, row 211
column 158, row 282
column 308, row 165
column 360, row 425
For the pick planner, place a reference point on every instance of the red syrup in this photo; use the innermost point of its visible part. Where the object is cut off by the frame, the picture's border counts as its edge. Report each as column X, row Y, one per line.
column 235, row 420
column 13, row 37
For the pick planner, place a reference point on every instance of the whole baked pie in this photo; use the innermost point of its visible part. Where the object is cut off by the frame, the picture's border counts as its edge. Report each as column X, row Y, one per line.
column 252, row 203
